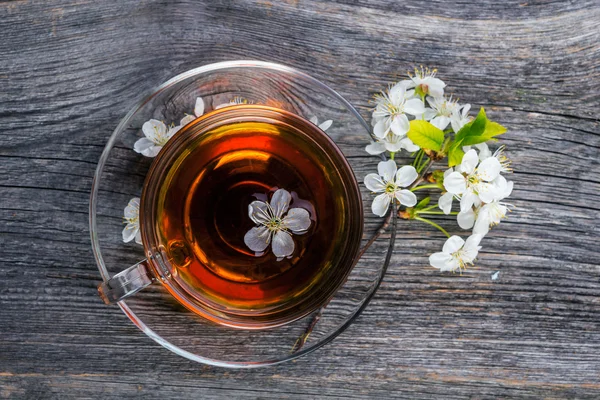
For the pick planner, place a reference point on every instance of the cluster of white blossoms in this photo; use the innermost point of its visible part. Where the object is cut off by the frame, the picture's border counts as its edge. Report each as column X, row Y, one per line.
column 415, row 115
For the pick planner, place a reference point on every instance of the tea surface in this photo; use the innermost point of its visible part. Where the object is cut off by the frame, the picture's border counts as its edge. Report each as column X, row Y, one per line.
column 203, row 215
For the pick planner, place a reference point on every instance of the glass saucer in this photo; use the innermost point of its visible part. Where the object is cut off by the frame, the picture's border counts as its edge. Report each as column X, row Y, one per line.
column 120, row 177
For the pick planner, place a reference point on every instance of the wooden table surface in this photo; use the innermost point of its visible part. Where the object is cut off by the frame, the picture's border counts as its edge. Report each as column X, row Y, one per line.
column 69, row 70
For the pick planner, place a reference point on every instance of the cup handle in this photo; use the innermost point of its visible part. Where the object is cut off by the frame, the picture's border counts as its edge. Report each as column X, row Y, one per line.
column 126, row 283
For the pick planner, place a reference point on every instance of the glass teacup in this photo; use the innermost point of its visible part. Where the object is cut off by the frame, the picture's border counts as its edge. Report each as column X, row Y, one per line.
column 301, row 133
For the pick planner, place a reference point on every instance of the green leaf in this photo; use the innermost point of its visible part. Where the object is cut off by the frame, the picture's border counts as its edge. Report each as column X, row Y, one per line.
column 423, row 203
column 455, row 153
column 425, row 135
column 480, row 130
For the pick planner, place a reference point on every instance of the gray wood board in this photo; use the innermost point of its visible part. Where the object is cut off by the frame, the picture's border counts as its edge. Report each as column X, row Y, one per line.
column 69, row 70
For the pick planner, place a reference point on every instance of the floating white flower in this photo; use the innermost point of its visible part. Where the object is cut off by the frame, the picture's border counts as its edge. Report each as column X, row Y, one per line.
column 460, row 117
column 425, row 82
column 131, row 215
column 198, row 112
column 391, row 143
column 390, row 183
column 273, row 226
column 456, row 253
column 473, row 180
column 391, row 109
column 324, row 125
column 440, row 113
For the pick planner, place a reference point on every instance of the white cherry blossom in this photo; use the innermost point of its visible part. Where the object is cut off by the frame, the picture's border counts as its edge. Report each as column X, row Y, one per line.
column 275, row 220
column 473, row 180
column 440, row 113
column 391, row 109
column 456, row 253
column 131, row 215
column 426, row 82
column 390, row 182
column 392, row 143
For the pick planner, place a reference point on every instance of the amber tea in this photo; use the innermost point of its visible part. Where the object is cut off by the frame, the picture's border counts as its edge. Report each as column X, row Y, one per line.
column 257, row 215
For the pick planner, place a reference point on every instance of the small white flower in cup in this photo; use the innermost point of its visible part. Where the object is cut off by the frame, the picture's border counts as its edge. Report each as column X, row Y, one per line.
column 324, row 125
column 456, row 253
column 274, row 226
column 391, row 109
column 390, row 182
column 131, row 215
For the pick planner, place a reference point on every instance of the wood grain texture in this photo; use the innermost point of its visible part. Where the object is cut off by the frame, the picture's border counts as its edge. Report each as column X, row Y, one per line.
column 70, row 69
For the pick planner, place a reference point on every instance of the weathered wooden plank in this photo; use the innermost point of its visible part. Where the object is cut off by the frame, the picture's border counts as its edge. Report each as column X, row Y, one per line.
column 70, row 70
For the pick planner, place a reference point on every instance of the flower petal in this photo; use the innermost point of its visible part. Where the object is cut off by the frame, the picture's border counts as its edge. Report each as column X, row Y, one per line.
column 471, row 248
column 259, row 212
column 482, row 224
column 467, row 200
column 199, row 107
column 436, row 86
column 406, row 175
column 414, row 107
column 374, row 183
column 314, row 120
column 133, row 208
column 440, row 260
column 381, row 128
column 469, row 162
column 484, row 151
column 375, row 148
column 138, row 238
column 325, row 125
column 406, row 197
column 453, row 244
column 380, row 204
column 489, row 169
column 297, row 220
column 393, row 146
column 440, row 122
column 408, row 144
column 400, row 125
column 153, row 129
column 146, row 147
column 280, row 202
column 257, row 238
column 445, row 202
column 129, row 232
column 283, row 244
column 387, row 170
column 455, row 183
column 466, row 219
column 186, row 120
column 397, row 92
column 429, row 113
column 487, row 192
